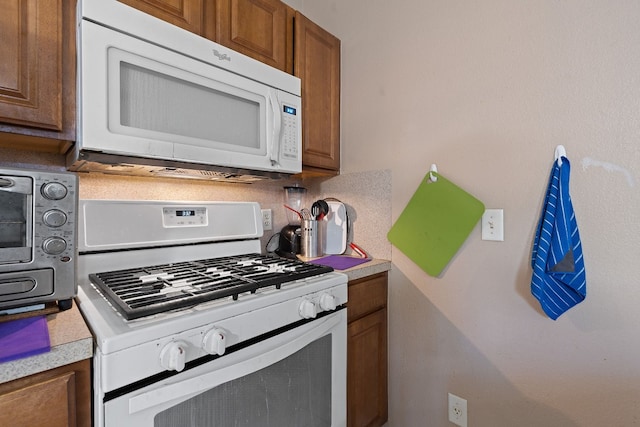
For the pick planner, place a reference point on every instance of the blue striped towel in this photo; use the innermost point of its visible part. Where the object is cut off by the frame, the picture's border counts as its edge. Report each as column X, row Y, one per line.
column 559, row 280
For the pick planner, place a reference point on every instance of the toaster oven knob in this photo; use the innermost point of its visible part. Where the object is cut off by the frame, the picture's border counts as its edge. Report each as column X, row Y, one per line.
column 54, row 191
column 214, row 342
column 173, row 356
column 307, row 309
column 327, row 302
column 54, row 245
column 54, row 218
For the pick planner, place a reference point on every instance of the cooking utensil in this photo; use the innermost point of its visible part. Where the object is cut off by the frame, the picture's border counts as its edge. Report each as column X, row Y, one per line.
column 293, row 210
column 306, row 215
column 357, row 249
column 319, row 209
column 315, row 210
column 324, row 208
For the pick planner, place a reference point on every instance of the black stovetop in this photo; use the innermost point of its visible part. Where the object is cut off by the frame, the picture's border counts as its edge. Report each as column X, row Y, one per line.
column 143, row 291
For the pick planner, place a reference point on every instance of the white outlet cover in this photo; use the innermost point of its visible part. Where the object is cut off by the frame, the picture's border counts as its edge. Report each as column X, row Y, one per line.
column 267, row 219
column 457, row 410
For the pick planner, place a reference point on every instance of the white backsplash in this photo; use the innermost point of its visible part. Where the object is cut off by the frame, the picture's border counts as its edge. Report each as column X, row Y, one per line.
column 367, row 196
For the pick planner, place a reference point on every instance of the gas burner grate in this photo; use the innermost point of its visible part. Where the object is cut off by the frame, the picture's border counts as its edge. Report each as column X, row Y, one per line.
column 144, row 291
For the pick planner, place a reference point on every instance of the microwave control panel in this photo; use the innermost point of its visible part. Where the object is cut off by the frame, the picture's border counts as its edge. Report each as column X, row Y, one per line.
column 290, row 119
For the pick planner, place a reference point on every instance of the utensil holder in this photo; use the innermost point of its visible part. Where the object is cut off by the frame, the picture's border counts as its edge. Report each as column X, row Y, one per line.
column 312, row 238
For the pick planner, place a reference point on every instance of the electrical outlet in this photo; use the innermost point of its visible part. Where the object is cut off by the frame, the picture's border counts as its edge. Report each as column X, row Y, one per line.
column 457, row 410
column 267, row 219
column 493, row 225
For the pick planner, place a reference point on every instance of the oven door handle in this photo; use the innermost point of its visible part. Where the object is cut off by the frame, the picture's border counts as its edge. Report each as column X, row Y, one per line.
column 239, row 364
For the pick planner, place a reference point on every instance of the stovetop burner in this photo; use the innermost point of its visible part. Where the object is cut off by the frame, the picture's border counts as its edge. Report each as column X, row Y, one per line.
column 144, row 291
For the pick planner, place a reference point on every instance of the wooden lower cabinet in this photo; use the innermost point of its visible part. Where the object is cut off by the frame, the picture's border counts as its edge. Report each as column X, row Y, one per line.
column 60, row 397
column 367, row 352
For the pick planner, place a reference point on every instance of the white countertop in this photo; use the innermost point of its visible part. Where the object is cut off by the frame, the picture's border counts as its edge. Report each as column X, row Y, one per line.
column 70, row 340
column 370, row 268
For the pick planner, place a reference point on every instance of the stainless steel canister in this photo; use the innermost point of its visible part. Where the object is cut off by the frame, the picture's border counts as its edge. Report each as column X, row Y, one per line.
column 311, row 238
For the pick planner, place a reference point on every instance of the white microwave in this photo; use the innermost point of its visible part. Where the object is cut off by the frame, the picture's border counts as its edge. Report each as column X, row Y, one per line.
column 156, row 99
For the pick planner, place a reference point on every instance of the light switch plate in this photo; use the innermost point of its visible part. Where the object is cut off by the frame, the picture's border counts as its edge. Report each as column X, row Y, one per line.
column 493, row 225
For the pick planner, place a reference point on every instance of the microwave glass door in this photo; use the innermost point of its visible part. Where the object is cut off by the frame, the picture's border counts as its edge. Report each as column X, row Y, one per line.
column 144, row 100
column 15, row 219
column 166, row 103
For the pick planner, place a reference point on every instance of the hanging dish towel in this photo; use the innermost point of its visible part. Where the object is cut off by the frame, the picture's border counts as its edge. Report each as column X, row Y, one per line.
column 558, row 280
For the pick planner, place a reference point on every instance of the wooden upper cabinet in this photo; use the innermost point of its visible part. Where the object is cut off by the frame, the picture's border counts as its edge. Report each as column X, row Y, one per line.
column 37, row 72
column 187, row 14
column 317, row 63
column 261, row 29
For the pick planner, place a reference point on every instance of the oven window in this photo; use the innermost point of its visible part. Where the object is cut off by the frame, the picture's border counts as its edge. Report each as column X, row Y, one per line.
column 13, row 220
column 293, row 392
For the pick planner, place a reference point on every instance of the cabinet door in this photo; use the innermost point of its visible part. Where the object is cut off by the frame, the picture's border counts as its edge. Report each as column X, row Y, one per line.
column 60, row 397
column 317, row 63
column 367, row 370
column 187, row 14
column 367, row 351
column 261, row 29
column 37, row 70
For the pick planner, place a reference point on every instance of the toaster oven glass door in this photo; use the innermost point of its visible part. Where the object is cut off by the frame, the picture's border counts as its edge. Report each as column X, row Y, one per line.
column 15, row 219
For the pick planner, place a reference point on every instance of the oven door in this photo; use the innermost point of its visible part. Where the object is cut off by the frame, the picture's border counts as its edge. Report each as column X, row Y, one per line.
column 296, row 378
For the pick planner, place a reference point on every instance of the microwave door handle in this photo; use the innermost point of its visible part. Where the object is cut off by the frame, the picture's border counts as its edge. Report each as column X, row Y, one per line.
column 274, row 149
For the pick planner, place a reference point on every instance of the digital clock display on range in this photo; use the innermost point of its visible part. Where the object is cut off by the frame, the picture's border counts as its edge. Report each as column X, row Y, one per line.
column 185, row 216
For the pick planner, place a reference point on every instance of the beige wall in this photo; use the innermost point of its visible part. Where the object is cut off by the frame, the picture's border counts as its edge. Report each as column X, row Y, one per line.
column 487, row 90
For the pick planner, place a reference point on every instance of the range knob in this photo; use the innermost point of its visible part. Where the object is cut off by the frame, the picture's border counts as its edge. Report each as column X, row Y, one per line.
column 54, row 245
column 214, row 342
column 327, row 302
column 54, row 218
column 307, row 309
column 54, row 191
column 173, row 356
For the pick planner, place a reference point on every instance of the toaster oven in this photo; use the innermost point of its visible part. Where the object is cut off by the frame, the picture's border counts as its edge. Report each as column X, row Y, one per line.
column 38, row 211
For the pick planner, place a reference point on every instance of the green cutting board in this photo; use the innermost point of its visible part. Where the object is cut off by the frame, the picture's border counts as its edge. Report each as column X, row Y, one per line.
column 435, row 223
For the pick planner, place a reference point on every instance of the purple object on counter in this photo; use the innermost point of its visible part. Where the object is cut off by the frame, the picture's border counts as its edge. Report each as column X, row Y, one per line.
column 23, row 338
column 340, row 262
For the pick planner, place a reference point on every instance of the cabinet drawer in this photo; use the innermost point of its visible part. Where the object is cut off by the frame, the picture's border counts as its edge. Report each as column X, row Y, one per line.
column 367, row 295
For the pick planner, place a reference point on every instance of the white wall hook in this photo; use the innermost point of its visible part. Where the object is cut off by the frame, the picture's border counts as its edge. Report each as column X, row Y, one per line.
column 560, row 153
column 432, row 176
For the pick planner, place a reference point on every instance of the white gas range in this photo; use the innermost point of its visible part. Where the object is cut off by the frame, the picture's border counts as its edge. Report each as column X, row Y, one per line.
column 186, row 313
